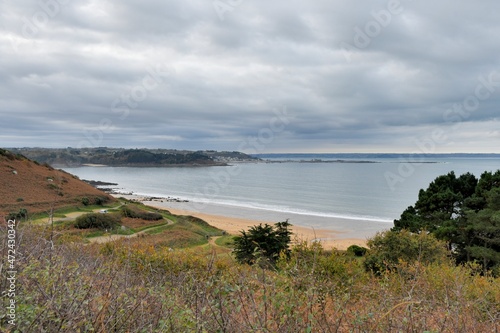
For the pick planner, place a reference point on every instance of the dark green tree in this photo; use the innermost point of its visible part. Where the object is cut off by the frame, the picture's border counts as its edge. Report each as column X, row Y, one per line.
column 463, row 211
column 486, row 183
column 481, row 233
column 263, row 241
column 439, row 203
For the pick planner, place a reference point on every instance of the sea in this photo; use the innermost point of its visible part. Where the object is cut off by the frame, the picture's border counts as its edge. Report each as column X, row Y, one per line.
column 356, row 195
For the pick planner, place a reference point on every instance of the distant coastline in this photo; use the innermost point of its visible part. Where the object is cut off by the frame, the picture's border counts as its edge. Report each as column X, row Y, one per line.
column 318, row 161
column 122, row 157
column 94, row 165
column 145, row 157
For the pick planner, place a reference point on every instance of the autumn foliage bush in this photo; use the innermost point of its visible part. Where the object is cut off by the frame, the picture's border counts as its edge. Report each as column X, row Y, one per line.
column 132, row 286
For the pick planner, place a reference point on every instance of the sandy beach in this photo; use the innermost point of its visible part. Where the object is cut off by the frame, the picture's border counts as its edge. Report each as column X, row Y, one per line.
column 328, row 238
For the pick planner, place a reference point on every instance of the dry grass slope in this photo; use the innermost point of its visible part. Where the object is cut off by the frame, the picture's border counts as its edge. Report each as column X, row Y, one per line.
column 25, row 184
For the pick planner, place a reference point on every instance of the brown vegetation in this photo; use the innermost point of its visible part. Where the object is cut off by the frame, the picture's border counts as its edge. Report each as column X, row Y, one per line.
column 37, row 188
column 134, row 286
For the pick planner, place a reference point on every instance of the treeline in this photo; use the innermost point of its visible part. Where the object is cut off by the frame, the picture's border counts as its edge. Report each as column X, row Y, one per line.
column 462, row 211
column 129, row 157
column 10, row 156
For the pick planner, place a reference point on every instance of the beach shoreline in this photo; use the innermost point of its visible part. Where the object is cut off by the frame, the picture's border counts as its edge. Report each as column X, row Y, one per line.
column 329, row 238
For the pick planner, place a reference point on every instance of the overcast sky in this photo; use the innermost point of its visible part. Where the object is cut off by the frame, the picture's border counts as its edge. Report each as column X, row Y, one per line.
column 251, row 75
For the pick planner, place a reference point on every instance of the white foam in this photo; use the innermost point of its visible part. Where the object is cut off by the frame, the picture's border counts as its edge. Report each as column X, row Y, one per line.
column 270, row 208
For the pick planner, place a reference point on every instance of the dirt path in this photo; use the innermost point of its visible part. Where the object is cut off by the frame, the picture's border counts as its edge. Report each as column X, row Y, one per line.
column 212, row 240
column 112, row 238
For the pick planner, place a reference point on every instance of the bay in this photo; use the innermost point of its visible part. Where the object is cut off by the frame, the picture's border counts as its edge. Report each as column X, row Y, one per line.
column 341, row 192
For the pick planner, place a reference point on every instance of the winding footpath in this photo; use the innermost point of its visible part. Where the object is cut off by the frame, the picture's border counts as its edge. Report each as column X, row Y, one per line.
column 105, row 238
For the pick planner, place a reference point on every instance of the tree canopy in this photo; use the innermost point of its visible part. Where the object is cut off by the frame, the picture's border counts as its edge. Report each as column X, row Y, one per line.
column 464, row 211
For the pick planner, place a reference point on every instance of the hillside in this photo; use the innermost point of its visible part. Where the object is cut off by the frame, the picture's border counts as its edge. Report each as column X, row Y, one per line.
column 130, row 157
column 27, row 184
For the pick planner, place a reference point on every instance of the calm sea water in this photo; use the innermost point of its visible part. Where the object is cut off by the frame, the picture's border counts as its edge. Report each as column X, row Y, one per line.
column 355, row 198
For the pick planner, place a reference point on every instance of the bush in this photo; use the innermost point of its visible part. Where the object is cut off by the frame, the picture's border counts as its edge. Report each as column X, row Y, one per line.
column 389, row 248
column 22, row 214
column 97, row 220
column 140, row 214
column 356, row 250
column 99, row 201
column 85, row 201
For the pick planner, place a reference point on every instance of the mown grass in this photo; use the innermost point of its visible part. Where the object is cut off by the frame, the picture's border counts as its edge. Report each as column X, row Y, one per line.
column 172, row 231
column 150, row 227
column 157, row 230
column 60, row 213
column 225, row 241
column 188, row 231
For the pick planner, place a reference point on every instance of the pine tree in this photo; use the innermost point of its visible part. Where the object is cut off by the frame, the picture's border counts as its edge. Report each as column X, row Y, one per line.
column 263, row 241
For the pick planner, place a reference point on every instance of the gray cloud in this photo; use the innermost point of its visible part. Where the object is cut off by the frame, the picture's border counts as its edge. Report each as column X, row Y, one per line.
column 174, row 75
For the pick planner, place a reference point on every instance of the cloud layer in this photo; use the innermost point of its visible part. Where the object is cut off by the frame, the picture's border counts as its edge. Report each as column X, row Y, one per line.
column 375, row 76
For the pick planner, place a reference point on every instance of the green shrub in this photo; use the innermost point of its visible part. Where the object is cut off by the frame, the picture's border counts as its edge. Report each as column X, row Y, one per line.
column 97, row 220
column 100, row 200
column 356, row 250
column 140, row 214
column 263, row 241
column 22, row 214
column 390, row 248
column 85, row 201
